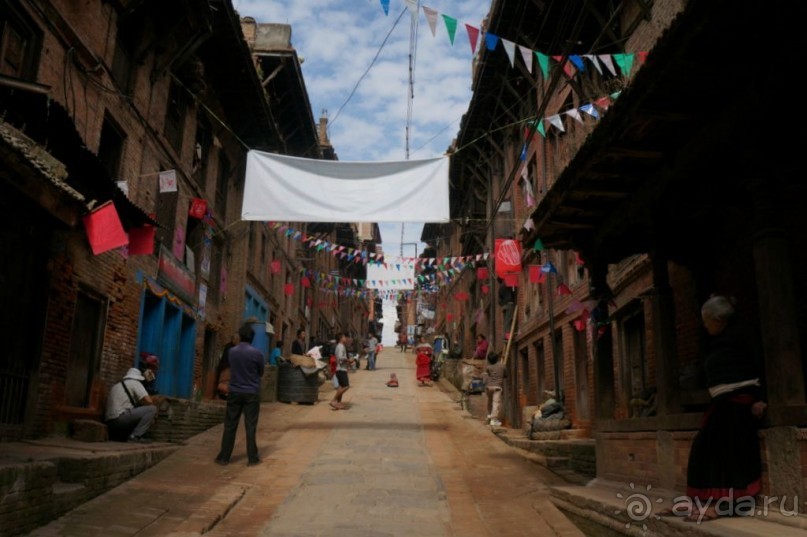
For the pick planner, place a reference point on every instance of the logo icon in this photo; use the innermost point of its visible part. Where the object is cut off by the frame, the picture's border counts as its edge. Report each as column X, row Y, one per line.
column 638, row 506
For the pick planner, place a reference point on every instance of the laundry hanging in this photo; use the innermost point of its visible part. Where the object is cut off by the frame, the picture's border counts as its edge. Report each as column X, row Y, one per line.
column 291, row 189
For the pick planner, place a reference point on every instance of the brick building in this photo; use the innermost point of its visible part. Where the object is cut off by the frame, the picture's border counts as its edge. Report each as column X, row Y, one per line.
column 99, row 102
column 649, row 196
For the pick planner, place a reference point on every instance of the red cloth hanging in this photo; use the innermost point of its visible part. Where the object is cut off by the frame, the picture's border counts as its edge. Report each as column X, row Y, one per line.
column 104, row 229
column 141, row 240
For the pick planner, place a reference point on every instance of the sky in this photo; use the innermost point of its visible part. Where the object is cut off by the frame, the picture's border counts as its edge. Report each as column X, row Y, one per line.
column 337, row 41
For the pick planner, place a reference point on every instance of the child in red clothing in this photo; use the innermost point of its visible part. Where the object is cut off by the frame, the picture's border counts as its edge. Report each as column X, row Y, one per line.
column 423, row 361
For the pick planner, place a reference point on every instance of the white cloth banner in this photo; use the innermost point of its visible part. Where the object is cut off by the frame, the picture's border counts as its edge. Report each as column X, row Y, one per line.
column 290, row 189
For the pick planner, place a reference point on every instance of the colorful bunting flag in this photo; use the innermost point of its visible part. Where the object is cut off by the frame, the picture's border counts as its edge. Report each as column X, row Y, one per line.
column 536, row 276
column 473, row 36
column 288, row 289
column 431, row 17
column 511, row 280
column 563, row 289
column 577, row 61
column 556, row 122
column 451, row 26
column 543, row 63
column 538, row 246
column 593, row 59
column 526, row 55
column 606, row 60
column 385, row 5
column 510, row 49
column 625, row 63
column 549, row 268
column 491, row 41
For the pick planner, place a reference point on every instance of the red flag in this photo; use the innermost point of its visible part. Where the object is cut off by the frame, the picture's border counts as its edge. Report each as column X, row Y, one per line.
column 473, row 36
column 141, row 240
column 482, row 273
column 511, row 280
column 578, row 259
column 642, row 57
column 104, row 229
column 198, row 208
column 508, row 257
column 449, row 317
column 305, row 282
column 579, row 325
column 275, row 265
column 485, row 289
column 563, row 289
column 536, row 274
column 288, row 289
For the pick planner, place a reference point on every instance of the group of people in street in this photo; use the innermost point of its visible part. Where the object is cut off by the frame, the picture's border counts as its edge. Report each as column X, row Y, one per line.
column 724, row 459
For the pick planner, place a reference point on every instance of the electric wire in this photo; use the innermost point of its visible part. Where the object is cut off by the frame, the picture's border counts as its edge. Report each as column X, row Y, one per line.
column 377, row 54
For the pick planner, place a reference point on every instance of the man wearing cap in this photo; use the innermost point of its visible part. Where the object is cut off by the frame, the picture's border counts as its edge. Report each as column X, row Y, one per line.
column 129, row 409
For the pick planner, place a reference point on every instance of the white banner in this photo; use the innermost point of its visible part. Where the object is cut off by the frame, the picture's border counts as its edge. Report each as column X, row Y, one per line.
column 291, row 189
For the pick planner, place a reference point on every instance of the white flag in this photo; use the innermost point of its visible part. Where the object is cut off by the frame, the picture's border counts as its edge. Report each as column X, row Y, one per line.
column 575, row 113
column 168, row 181
column 526, row 54
column 556, row 122
column 510, row 49
column 593, row 59
column 606, row 60
column 124, row 186
column 431, row 16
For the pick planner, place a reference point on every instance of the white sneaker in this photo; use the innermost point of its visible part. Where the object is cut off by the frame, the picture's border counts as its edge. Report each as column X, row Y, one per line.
column 495, row 423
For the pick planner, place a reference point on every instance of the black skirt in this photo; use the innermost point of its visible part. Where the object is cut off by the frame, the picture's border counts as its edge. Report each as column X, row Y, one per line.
column 725, row 461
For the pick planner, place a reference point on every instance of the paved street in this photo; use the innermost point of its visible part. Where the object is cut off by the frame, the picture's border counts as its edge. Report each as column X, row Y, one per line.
column 399, row 461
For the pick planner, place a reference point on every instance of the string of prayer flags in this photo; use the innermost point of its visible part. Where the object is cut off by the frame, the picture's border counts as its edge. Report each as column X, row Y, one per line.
column 104, row 229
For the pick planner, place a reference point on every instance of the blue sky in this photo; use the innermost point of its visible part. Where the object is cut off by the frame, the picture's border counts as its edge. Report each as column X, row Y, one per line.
column 338, row 40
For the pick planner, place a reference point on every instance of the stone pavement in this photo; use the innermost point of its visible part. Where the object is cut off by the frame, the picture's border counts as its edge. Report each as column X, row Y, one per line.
column 399, row 461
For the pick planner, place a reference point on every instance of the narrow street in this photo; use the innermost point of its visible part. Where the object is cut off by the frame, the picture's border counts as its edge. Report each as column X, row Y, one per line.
column 399, row 461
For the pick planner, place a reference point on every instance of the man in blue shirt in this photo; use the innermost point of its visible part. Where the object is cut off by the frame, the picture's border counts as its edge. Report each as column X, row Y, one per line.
column 246, row 370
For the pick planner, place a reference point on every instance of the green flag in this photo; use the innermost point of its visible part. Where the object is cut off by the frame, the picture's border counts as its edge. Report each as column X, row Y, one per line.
column 451, row 26
column 538, row 246
column 625, row 62
column 543, row 61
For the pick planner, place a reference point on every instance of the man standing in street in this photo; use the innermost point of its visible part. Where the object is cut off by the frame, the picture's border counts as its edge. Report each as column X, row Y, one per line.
column 298, row 345
column 246, row 370
column 372, row 343
column 341, row 372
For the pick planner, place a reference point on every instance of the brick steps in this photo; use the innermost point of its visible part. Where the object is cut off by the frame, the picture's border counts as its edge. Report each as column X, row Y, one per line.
column 42, row 480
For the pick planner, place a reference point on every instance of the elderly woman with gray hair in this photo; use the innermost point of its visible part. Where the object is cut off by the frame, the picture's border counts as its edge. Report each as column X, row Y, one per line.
column 724, row 460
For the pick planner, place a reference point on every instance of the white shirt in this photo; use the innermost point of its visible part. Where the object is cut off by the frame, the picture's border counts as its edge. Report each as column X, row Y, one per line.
column 117, row 401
